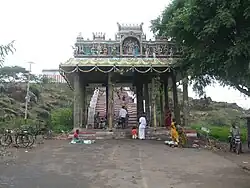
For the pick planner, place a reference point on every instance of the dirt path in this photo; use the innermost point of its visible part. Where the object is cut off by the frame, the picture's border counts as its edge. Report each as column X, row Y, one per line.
column 119, row 164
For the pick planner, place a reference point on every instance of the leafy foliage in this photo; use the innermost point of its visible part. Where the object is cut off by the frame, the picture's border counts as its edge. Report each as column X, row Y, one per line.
column 13, row 74
column 220, row 132
column 215, row 38
column 36, row 90
column 5, row 50
column 61, row 119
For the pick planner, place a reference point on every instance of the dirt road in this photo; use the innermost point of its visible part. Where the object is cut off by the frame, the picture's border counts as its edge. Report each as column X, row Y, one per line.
column 119, row 164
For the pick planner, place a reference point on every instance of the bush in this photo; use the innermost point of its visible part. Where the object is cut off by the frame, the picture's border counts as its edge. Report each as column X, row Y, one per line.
column 34, row 89
column 220, row 133
column 16, row 123
column 61, row 119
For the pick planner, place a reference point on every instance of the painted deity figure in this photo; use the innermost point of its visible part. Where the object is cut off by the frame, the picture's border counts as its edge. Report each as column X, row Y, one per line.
column 129, row 47
column 136, row 49
column 99, row 49
column 76, row 50
column 113, row 51
column 104, row 50
column 81, row 50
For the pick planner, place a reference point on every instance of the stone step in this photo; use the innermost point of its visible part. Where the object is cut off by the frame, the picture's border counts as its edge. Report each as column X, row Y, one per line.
column 160, row 133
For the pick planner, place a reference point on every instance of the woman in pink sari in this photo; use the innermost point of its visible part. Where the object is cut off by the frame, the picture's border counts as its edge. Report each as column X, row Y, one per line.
column 168, row 118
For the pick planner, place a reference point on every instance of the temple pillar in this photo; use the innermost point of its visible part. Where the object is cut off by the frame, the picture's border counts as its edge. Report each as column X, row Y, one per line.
column 185, row 102
column 83, row 105
column 162, row 105
column 107, row 99
column 139, row 96
column 77, row 101
column 175, row 99
column 110, row 110
column 166, row 98
column 153, row 104
column 146, row 98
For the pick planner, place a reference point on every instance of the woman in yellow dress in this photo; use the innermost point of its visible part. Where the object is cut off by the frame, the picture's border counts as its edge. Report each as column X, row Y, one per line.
column 182, row 136
column 173, row 132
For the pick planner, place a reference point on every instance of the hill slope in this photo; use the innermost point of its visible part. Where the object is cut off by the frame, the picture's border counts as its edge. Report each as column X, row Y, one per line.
column 50, row 97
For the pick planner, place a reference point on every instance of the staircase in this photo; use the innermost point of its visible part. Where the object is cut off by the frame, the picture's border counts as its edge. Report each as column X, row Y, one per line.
column 92, row 106
column 101, row 105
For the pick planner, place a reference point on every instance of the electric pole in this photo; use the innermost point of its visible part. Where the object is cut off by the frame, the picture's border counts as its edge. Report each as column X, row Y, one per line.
column 27, row 98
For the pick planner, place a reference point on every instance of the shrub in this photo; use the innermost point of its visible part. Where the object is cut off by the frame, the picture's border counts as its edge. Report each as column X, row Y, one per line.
column 220, row 133
column 34, row 89
column 61, row 119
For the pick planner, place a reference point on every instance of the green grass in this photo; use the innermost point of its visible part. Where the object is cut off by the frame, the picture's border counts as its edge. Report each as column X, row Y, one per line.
column 220, row 133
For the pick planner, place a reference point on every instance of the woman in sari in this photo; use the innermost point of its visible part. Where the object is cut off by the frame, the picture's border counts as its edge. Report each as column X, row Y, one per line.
column 182, row 136
column 174, row 133
column 168, row 118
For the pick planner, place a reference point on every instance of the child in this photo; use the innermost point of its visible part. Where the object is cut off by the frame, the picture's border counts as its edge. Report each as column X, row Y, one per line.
column 134, row 133
column 76, row 135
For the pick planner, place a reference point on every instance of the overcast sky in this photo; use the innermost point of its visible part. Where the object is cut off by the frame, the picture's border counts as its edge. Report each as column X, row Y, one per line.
column 44, row 30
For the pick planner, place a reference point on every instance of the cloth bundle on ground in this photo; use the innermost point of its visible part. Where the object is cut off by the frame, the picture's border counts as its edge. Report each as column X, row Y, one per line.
column 77, row 141
column 171, row 143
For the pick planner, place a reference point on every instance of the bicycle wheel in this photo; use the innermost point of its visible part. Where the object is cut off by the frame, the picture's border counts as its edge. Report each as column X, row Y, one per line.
column 31, row 139
column 6, row 140
column 23, row 140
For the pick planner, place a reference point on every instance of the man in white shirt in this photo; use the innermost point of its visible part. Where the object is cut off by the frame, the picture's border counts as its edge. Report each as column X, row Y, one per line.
column 142, row 126
column 122, row 116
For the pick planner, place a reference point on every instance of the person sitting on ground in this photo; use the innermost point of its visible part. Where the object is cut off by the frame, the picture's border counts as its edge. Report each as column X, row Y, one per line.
column 97, row 120
column 182, row 135
column 103, row 123
column 134, row 133
column 174, row 133
column 76, row 136
column 122, row 116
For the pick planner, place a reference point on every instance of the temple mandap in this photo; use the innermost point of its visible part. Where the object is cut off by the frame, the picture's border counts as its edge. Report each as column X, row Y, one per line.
column 130, row 60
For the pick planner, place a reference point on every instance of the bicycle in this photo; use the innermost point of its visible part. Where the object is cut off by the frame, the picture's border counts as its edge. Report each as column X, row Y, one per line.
column 20, row 137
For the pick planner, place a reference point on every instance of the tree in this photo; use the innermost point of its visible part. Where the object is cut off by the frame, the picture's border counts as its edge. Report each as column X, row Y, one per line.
column 214, row 37
column 62, row 119
column 5, row 50
column 13, row 74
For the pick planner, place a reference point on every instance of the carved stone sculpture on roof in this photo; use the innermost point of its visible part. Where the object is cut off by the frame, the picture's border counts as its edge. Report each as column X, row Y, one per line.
column 76, row 51
column 131, row 46
column 99, row 49
column 104, row 50
column 94, row 50
column 114, row 51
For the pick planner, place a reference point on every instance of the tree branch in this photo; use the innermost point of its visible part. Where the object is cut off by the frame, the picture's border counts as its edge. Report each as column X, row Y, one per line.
column 242, row 90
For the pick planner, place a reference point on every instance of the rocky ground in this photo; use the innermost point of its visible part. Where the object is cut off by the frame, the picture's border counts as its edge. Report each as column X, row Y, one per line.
column 119, row 163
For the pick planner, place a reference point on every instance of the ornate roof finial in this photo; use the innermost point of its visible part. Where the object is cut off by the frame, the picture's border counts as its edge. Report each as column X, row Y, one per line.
column 80, row 35
column 141, row 26
column 119, row 26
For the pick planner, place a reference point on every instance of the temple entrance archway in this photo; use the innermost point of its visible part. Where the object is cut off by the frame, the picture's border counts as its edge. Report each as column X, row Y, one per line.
column 130, row 58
